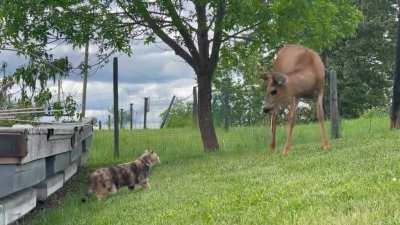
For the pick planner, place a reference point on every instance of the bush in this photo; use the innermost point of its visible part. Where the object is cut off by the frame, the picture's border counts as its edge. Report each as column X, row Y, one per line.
column 179, row 116
column 378, row 112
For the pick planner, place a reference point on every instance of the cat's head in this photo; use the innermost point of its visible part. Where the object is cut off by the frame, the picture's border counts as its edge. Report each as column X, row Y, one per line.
column 150, row 158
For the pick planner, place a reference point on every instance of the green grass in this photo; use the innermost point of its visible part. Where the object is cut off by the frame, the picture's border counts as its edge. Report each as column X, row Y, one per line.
column 358, row 182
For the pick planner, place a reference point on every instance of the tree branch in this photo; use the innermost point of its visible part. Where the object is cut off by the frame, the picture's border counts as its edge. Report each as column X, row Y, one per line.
column 142, row 11
column 217, row 39
column 211, row 22
column 177, row 21
column 202, row 33
column 235, row 35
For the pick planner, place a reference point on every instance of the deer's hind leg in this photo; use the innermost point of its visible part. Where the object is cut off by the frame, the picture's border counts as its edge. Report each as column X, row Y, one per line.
column 320, row 115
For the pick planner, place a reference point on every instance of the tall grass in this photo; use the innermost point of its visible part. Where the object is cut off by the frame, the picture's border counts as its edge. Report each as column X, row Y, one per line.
column 358, row 182
column 181, row 143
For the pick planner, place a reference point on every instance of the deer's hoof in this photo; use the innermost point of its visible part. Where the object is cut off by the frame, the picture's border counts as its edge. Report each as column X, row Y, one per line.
column 326, row 147
column 285, row 151
column 272, row 148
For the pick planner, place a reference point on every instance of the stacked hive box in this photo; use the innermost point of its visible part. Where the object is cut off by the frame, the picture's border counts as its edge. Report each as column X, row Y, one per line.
column 37, row 161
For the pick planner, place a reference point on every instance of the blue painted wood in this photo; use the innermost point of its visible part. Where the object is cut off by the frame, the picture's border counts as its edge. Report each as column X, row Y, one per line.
column 57, row 163
column 13, row 144
column 18, row 177
column 49, row 186
column 16, row 205
column 54, row 154
column 76, row 152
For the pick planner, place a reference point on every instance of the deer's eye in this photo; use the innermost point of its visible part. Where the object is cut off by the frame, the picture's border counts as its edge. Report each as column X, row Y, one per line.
column 274, row 92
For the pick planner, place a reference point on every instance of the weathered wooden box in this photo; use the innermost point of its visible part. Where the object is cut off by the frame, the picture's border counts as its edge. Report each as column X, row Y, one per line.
column 37, row 161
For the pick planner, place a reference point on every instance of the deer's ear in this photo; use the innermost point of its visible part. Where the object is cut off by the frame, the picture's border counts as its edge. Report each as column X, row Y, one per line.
column 279, row 78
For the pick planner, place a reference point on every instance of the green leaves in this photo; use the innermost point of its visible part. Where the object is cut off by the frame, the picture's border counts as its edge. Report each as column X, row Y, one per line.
column 317, row 24
column 43, row 97
column 29, row 27
column 365, row 62
column 38, row 23
column 33, row 73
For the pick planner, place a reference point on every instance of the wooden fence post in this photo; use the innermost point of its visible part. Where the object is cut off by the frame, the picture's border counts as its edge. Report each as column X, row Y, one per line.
column 131, row 115
column 115, row 91
column 99, row 124
column 195, row 107
column 334, row 110
column 167, row 113
column 145, row 110
column 109, row 122
column 121, row 124
column 85, row 77
column 226, row 107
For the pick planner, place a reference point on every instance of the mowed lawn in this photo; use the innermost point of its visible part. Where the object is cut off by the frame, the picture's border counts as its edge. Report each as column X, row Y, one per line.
column 357, row 182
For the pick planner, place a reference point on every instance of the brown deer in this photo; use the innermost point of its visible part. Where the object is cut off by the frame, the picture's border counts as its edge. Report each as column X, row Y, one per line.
column 298, row 72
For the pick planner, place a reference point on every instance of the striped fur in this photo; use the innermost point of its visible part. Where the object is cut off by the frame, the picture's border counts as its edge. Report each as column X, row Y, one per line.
column 105, row 181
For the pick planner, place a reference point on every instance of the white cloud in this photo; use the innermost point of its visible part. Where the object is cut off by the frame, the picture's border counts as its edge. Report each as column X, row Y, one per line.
column 152, row 71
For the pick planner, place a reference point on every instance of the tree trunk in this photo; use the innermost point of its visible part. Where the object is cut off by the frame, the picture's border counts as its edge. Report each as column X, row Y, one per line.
column 395, row 110
column 206, row 124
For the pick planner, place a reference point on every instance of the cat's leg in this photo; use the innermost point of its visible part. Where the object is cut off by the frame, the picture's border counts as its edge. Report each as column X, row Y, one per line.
column 91, row 189
column 101, row 193
column 113, row 189
column 131, row 184
column 146, row 184
column 105, row 189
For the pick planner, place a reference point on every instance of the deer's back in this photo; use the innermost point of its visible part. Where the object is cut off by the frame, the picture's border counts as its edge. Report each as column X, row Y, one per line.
column 303, row 66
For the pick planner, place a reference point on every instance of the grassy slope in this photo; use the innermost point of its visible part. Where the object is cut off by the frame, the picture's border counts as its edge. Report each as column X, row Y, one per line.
column 358, row 182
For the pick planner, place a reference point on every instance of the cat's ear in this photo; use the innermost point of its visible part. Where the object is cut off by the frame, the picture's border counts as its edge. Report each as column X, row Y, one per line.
column 152, row 151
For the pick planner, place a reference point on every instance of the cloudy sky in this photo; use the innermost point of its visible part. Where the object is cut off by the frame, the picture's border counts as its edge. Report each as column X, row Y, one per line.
column 152, row 71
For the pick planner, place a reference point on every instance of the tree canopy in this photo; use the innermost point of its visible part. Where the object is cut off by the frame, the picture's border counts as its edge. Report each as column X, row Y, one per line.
column 365, row 62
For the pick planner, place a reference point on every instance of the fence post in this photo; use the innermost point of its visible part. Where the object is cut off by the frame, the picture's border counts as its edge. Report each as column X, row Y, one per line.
column 99, row 124
column 333, row 99
column 131, row 115
column 167, row 113
column 121, row 119
column 115, row 91
column 145, row 110
column 195, row 108
column 85, row 77
column 226, row 108
column 109, row 122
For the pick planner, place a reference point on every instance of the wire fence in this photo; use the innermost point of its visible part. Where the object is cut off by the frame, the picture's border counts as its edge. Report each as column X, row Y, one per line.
column 156, row 106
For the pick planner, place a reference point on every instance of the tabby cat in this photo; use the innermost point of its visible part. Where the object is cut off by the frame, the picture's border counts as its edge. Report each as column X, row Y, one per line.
column 105, row 181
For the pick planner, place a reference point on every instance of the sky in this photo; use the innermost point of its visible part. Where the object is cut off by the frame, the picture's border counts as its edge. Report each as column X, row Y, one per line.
column 152, row 71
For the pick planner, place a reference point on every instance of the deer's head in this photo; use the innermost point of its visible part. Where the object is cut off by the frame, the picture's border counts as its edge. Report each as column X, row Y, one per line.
column 276, row 90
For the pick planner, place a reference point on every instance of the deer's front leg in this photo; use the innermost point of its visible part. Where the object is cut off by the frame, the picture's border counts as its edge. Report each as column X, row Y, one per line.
column 291, row 121
column 274, row 117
